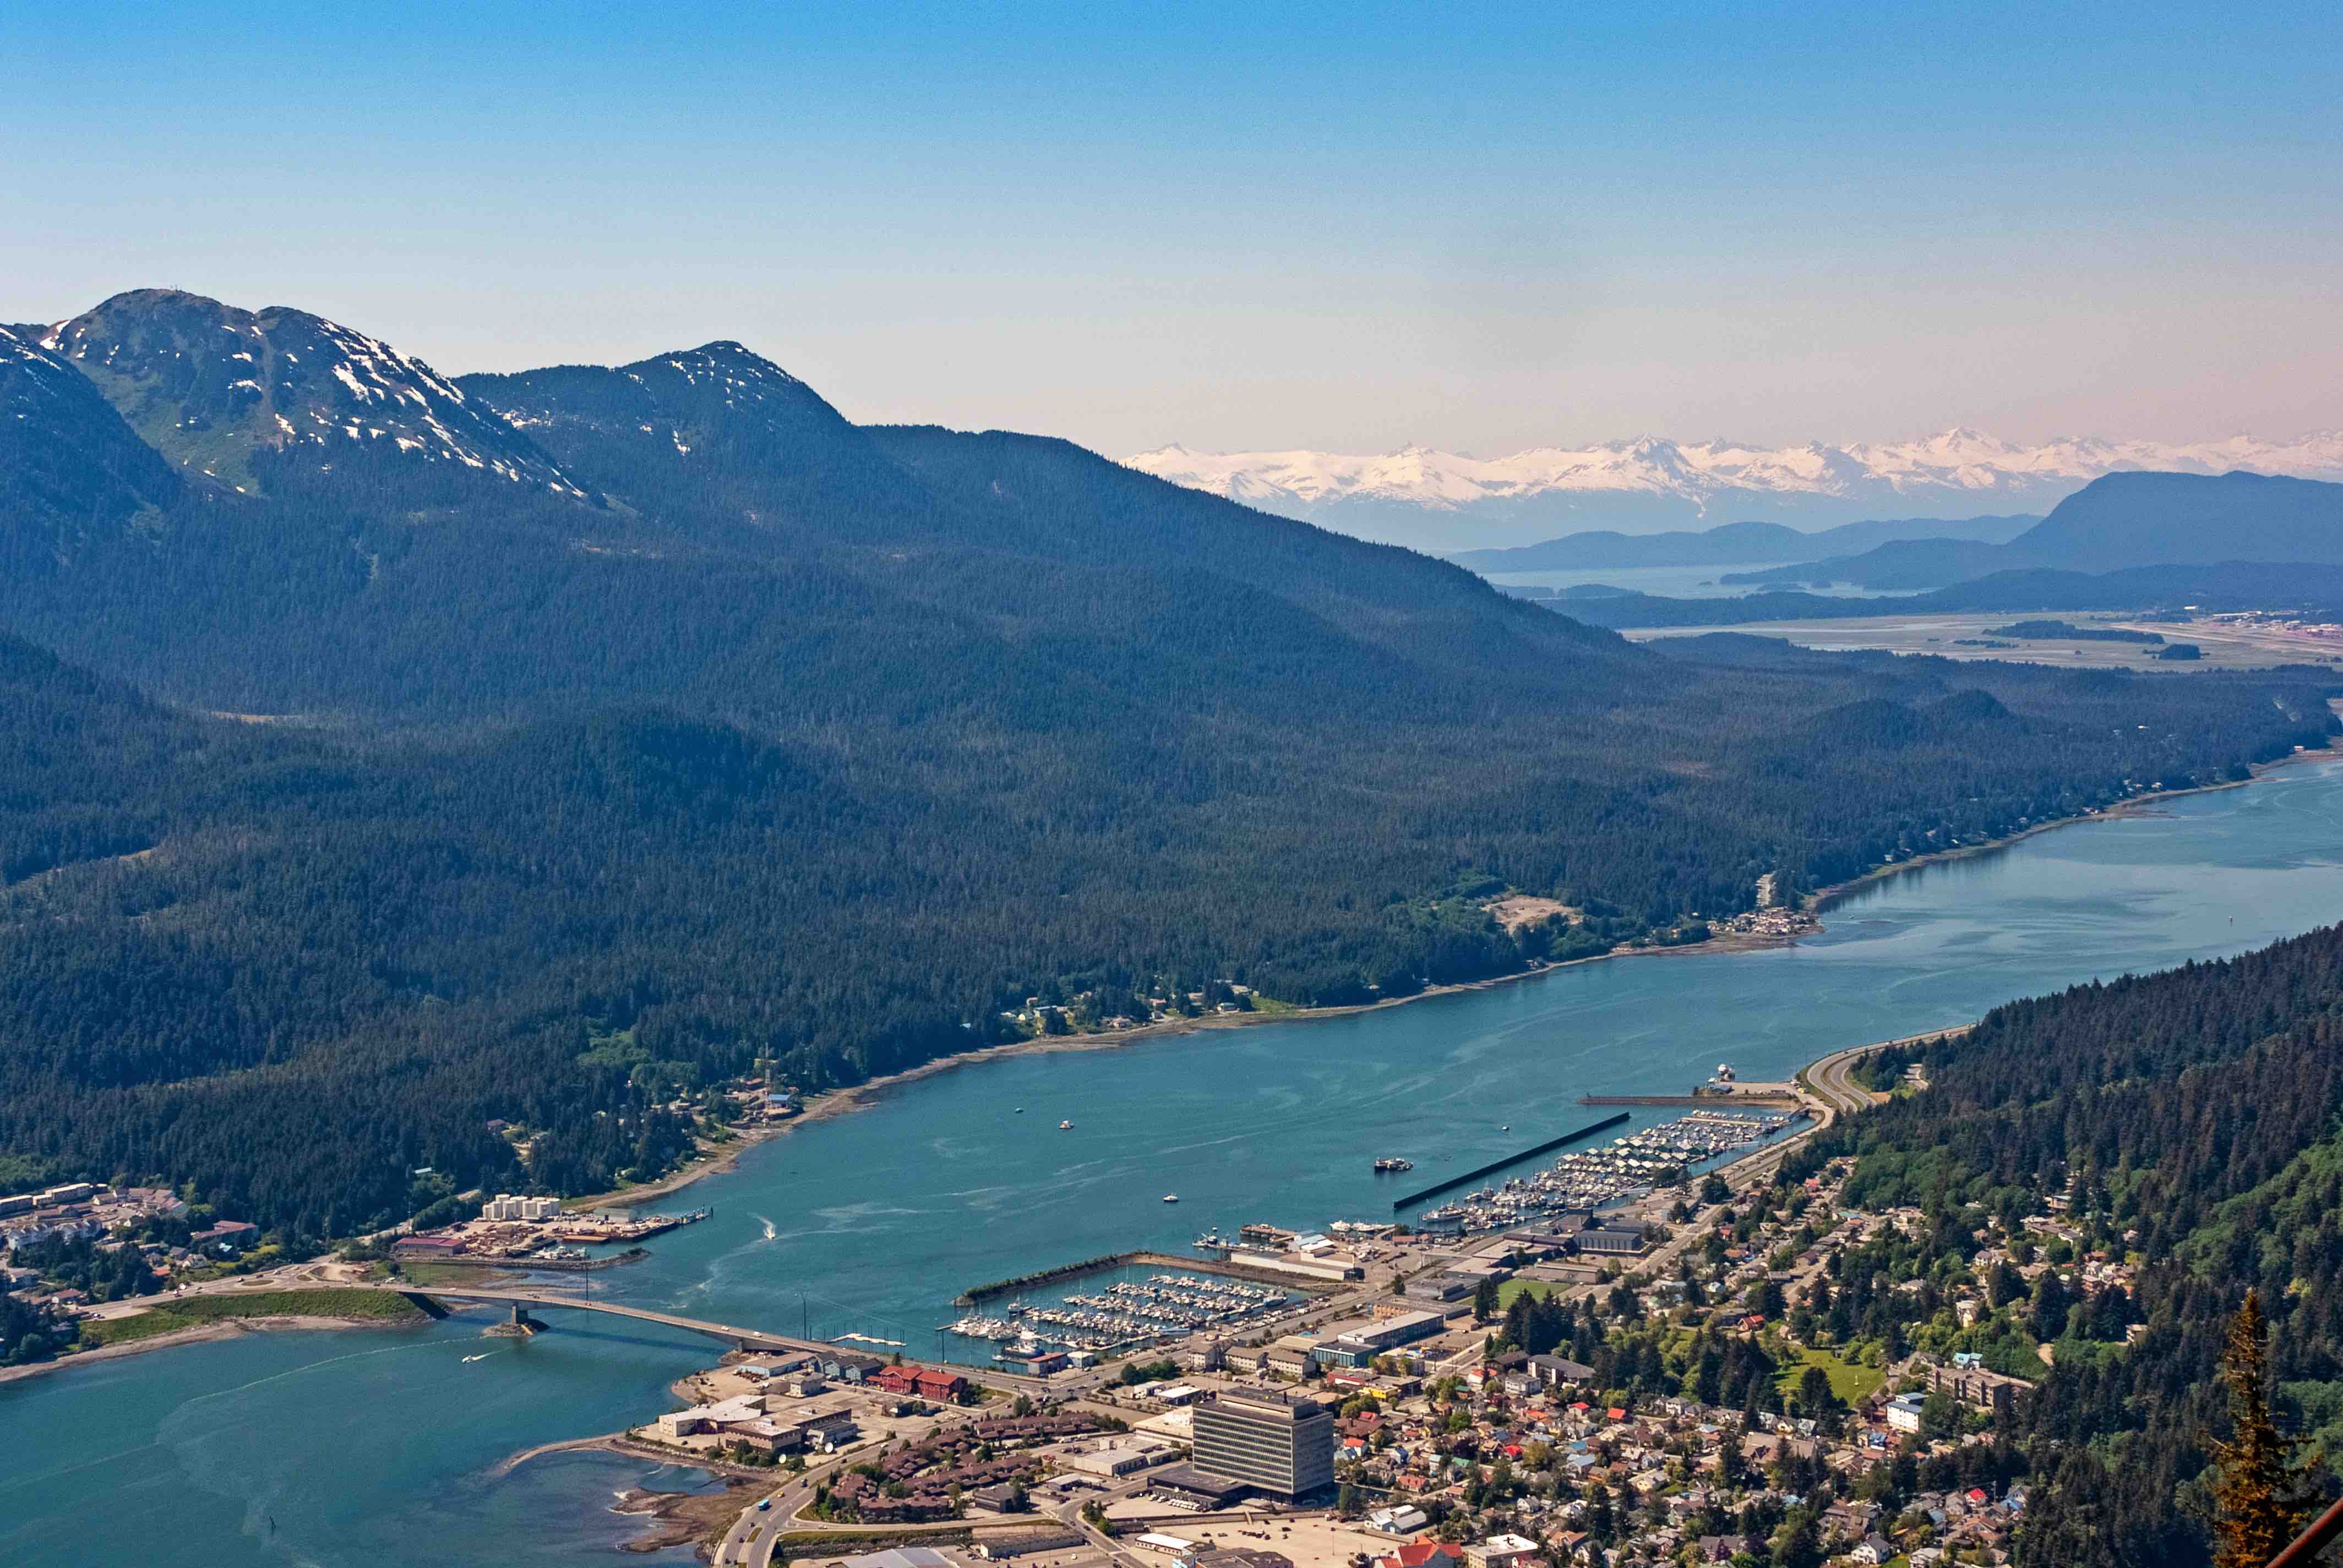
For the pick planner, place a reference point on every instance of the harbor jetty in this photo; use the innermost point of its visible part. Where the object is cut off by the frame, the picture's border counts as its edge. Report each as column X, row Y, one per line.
column 1437, row 1188
column 978, row 1294
column 1772, row 1101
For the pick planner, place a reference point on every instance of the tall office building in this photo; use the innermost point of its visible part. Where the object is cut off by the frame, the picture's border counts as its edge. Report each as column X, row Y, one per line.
column 1281, row 1443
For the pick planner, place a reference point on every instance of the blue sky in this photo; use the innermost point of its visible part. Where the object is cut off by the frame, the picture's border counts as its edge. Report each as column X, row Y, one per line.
column 1347, row 226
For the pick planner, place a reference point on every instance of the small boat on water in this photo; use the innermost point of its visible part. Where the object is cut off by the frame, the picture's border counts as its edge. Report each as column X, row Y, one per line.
column 1170, row 1197
column 1392, row 1162
column 1065, row 1127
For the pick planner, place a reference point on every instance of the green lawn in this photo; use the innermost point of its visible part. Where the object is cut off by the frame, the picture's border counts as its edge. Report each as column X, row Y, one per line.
column 1850, row 1381
column 168, row 1316
column 1513, row 1291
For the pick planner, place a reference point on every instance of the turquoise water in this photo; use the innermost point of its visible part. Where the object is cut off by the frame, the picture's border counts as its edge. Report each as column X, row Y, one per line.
column 376, row 1447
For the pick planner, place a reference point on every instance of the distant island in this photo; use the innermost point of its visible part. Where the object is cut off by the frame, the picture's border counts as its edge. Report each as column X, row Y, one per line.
column 2066, row 631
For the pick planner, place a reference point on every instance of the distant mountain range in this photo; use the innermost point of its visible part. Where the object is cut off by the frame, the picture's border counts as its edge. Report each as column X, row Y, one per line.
column 2114, row 524
column 2127, row 541
column 1735, row 544
column 1445, row 502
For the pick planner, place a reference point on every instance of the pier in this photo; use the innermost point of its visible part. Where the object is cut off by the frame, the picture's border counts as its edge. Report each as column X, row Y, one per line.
column 1787, row 1099
column 1437, row 1188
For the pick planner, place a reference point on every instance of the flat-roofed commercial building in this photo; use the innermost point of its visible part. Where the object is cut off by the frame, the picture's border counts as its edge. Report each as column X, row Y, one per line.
column 1625, row 1240
column 1276, row 1442
column 1358, row 1344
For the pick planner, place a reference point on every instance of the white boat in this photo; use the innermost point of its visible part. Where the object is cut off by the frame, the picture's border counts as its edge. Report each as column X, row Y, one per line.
column 1065, row 1127
column 1170, row 1197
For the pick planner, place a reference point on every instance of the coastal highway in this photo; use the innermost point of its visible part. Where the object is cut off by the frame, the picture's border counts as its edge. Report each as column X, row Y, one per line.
column 1831, row 1079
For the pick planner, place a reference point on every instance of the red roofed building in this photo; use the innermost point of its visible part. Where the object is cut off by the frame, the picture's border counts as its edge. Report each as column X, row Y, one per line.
column 1418, row 1553
column 941, row 1386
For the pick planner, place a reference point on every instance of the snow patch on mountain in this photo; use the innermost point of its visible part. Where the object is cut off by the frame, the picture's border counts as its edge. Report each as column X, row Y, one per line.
column 285, row 380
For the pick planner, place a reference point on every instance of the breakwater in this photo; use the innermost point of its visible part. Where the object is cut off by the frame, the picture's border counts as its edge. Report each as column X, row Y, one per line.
column 1099, row 1265
column 1437, row 1188
column 1144, row 1258
column 1708, row 1102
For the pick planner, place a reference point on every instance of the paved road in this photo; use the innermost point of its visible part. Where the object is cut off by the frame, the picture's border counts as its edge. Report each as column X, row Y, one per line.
column 1070, row 1512
column 1831, row 1079
column 747, row 1338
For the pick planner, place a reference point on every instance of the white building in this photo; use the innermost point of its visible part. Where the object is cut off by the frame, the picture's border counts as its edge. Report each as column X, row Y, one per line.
column 1501, row 1552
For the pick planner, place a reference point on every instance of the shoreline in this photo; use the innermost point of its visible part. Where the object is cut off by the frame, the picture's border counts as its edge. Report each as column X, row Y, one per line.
column 715, row 1162
column 862, row 1096
column 200, row 1334
column 1822, row 898
column 866, row 1095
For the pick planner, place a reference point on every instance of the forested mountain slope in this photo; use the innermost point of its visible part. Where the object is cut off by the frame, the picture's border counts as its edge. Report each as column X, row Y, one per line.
column 2193, row 1118
column 67, row 462
column 730, row 730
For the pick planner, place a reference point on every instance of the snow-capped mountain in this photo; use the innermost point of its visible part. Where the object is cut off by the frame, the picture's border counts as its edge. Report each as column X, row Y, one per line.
column 1446, row 500
column 221, row 392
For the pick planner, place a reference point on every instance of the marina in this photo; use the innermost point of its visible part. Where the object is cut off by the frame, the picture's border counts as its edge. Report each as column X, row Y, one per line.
column 1129, row 1312
column 1629, row 1167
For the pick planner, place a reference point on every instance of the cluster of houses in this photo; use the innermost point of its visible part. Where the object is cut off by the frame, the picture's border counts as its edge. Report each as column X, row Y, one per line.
column 1532, row 1445
column 76, row 1209
column 1663, row 1465
column 1083, row 1013
column 84, row 1211
column 983, row 1464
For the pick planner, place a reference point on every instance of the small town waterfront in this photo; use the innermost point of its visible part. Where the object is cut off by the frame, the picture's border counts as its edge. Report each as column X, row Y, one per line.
column 376, row 1447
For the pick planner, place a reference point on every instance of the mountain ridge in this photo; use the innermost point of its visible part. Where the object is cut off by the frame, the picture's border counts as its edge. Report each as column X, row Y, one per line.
column 2116, row 523
column 213, row 388
column 1447, row 501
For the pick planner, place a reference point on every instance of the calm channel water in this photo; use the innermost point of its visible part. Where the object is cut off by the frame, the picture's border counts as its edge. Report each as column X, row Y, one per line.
column 377, row 1448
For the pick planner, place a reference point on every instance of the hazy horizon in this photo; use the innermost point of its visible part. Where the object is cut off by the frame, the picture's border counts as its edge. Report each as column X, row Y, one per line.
column 1244, row 231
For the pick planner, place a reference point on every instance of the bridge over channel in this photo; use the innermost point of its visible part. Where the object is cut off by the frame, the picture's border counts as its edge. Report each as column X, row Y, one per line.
column 521, row 1301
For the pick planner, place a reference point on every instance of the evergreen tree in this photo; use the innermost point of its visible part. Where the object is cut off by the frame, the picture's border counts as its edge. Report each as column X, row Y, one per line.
column 2261, row 1497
